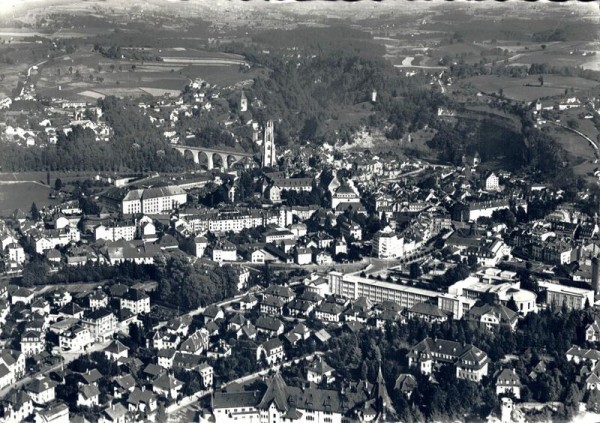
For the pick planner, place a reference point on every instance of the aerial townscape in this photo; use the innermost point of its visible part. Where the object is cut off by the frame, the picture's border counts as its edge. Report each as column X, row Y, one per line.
column 299, row 212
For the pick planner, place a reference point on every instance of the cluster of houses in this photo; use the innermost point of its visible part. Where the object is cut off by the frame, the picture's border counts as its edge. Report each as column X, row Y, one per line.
column 57, row 328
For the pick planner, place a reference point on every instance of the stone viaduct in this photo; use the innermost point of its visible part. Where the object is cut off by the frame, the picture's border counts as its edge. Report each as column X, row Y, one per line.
column 227, row 157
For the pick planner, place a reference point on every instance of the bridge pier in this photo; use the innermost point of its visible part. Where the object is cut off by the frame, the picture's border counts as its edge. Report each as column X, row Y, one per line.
column 209, row 163
column 224, row 160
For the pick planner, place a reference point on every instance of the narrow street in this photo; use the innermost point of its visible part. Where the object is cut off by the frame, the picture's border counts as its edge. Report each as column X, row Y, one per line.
column 68, row 358
column 188, row 409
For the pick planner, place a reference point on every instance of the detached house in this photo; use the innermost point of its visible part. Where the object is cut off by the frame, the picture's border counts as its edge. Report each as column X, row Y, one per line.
column 269, row 325
column 136, row 300
column 271, row 351
column 32, row 343
column 167, row 386
column 116, row 350
column 592, row 331
column 470, row 362
column 494, row 316
column 88, row 396
column 272, row 305
column 101, row 323
column 196, row 343
column 508, row 382
column 41, row 390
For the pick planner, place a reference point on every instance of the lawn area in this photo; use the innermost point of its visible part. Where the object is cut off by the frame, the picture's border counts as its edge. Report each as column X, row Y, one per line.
column 517, row 89
column 570, row 141
column 21, row 195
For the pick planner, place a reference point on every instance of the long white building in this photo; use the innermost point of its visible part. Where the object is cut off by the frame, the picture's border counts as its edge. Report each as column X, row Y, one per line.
column 352, row 287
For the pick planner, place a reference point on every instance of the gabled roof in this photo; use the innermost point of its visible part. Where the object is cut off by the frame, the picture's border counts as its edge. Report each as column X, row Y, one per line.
column 167, row 382
column 71, row 309
column 268, row 323
column 91, row 376
column 405, row 383
column 138, row 396
column 427, row 309
column 508, row 377
column 271, row 344
column 212, row 311
column 320, row 367
column 116, row 347
column 153, row 369
column 275, row 394
column 38, row 386
column 115, row 412
column 89, row 391
column 505, row 314
column 126, row 382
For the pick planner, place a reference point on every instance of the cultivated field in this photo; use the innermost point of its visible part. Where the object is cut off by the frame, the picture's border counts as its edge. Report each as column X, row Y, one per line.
column 89, row 75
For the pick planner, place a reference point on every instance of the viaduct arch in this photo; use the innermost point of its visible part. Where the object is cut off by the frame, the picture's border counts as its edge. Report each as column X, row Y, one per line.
column 227, row 157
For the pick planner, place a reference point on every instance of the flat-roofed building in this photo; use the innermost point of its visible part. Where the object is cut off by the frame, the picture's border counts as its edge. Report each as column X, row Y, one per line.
column 353, row 287
column 573, row 298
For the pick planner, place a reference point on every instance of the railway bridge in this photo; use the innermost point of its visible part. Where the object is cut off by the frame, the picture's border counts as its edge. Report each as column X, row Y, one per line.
column 227, row 158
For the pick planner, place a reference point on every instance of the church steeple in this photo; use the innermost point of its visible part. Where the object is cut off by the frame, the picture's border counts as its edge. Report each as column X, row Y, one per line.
column 383, row 402
column 269, row 159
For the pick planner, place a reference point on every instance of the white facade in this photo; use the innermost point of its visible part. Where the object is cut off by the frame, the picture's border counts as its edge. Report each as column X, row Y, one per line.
column 269, row 158
column 16, row 253
column 76, row 339
column 115, row 233
column 387, row 245
column 492, row 183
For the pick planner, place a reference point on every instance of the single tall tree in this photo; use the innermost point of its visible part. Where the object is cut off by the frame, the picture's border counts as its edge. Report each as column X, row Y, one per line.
column 35, row 213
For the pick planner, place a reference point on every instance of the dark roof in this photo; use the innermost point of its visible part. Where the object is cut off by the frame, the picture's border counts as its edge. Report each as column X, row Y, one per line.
column 427, row 309
column 235, row 399
column 268, row 323
column 505, row 314
column 166, row 381
column 116, row 347
column 41, row 385
column 405, row 382
column 135, row 295
column 271, row 344
column 97, row 314
column 211, row 311
column 91, row 376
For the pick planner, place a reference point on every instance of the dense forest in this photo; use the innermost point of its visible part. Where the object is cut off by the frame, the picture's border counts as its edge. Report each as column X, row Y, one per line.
column 306, row 91
column 180, row 284
column 545, row 336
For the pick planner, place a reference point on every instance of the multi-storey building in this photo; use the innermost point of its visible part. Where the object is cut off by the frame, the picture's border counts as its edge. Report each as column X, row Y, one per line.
column 388, row 245
column 137, row 301
column 75, row 339
column 116, row 231
column 573, row 298
column 101, row 323
column 282, row 403
column 353, row 286
column 148, row 201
